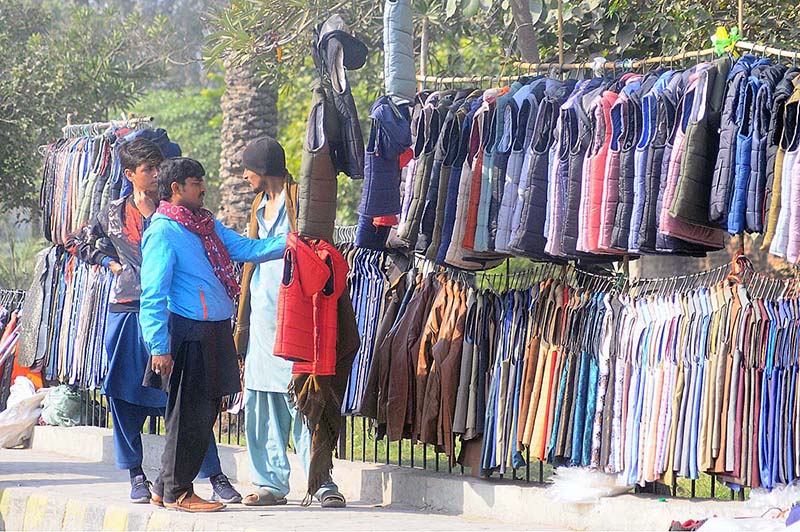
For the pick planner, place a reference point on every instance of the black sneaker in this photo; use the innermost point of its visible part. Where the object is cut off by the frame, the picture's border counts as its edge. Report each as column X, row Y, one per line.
column 223, row 490
column 140, row 489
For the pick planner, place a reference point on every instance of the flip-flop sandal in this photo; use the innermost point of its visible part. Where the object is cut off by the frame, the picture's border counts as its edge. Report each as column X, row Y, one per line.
column 332, row 499
column 263, row 497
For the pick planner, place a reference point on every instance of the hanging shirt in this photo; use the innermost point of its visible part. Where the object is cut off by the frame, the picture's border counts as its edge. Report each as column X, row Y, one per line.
column 263, row 371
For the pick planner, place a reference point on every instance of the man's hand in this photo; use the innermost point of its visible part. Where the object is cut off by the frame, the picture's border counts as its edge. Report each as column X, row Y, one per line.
column 144, row 203
column 161, row 364
column 115, row 267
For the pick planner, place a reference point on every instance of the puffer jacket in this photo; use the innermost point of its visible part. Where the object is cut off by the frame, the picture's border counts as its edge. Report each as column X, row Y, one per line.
column 791, row 146
column 390, row 135
column 756, row 184
column 642, row 180
column 726, row 158
column 527, row 102
column 691, row 200
column 399, row 71
column 775, row 154
column 744, row 152
column 467, row 110
column 316, row 184
column 694, row 101
column 335, row 53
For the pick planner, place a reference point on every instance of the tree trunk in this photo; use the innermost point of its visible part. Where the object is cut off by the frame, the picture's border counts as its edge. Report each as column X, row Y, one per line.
column 527, row 38
column 249, row 111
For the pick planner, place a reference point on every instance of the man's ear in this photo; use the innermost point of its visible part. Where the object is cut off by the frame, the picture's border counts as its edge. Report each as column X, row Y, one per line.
column 129, row 174
column 175, row 187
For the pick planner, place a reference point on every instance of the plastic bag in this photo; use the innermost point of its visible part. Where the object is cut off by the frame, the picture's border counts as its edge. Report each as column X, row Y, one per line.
column 18, row 420
column 21, row 389
column 578, row 485
column 62, row 407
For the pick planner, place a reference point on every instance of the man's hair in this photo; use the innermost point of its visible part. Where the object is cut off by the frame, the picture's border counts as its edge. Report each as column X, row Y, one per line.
column 138, row 152
column 177, row 170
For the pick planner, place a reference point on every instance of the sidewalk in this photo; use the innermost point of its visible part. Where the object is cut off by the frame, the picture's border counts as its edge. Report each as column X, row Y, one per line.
column 46, row 491
column 67, row 481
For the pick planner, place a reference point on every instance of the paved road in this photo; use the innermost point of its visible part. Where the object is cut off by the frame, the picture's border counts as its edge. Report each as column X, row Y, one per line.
column 97, row 485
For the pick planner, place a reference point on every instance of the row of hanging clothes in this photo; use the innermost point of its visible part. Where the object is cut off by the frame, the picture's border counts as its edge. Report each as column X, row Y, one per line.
column 10, row 307
column 63, row 325
column 650, row 380
column 664, row 162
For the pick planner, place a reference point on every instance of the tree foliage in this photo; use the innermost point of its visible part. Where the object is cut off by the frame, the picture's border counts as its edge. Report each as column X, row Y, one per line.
column 62, row 58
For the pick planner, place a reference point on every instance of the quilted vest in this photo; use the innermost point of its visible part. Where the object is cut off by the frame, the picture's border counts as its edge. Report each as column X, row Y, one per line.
column 793, row 244
column 518, row 201
column 744, row 149
column 481, row 237
column 691, row 106
column 578, row 127
column 325, row 315
column 615, row 184
column 526, row 105
column 431, row 195
column 789, row 142
column 390, row 135
column 346, row 140
column 726, row 158
column 691, row 200
column 506, row 117
column 528, row 240
column 754, row 210
column 305, row 274
column 775, row 154
column 409, row 172
column 596, row 169
column 316, row 184
column 452, row 137
column 481, row 127
column 427, row 135
column 469, row 109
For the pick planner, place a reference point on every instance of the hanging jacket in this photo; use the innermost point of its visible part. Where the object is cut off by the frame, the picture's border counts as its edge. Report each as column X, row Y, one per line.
column 335, row 53
column 579, row 136
column 399, row 71
column 468, row 110
column 615, row 184
column 481, row 238
column 506, row 127
column 431, row 195
column 518, row 165
column 427, row 135
column 483, row 143
column 789, row 143
column 726, row 158
column 449, row 172
column 316, row 184
column 775, row 154
column 528, row 239
column 744, row 149
column 693, row 104
column 390, row 135
column 691, row 200
column 756, row 185
column 409, row 172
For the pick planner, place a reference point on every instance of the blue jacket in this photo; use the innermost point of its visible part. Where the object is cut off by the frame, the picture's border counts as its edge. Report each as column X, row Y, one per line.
column 177, row 276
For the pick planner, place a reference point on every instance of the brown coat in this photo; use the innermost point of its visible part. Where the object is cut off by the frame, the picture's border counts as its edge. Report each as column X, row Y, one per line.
column 241, row 334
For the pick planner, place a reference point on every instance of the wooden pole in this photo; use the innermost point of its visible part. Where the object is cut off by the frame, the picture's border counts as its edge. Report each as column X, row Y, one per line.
column 561, row 35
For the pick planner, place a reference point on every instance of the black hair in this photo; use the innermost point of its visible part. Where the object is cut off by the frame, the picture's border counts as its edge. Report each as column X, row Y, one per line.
column 138, row 152
column 177, row 170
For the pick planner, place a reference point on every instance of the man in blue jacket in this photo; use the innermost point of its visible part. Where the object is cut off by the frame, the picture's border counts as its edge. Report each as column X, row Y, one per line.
column 188, row 287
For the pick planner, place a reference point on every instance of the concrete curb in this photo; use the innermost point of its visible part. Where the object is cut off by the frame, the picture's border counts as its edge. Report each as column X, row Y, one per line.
column 367, row 483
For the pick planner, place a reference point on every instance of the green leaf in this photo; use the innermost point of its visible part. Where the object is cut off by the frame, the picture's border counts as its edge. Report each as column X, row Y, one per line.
column 470, row 9
column 450, row 8
column 535, row 7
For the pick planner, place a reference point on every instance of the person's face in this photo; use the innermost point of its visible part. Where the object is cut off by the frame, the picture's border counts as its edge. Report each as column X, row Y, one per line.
column 190, row 194
column 257, row 182
column 144, row 178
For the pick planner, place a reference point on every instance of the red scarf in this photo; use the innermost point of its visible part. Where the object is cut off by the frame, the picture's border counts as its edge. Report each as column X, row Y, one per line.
column 201, row 223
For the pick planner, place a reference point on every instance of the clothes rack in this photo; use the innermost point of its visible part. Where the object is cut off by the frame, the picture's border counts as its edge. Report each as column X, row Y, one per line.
column 97, row 128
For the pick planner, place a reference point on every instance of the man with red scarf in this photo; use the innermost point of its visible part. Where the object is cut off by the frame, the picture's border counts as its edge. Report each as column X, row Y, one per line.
column 188, row 287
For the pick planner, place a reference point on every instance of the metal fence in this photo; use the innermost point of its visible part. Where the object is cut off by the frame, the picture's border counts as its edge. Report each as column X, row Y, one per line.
column 357, row 443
